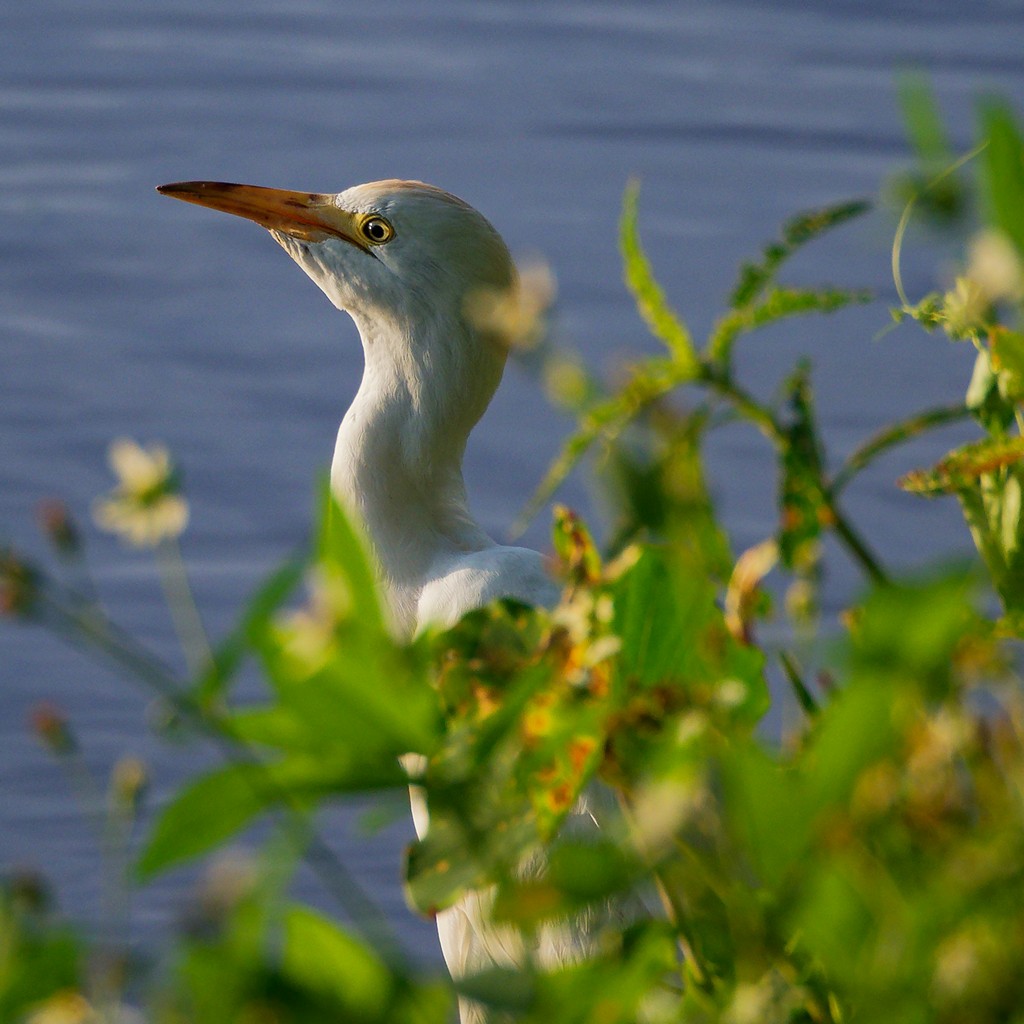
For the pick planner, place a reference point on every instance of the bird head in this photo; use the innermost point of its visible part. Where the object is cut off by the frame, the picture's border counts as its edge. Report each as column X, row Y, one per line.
column 412, row 264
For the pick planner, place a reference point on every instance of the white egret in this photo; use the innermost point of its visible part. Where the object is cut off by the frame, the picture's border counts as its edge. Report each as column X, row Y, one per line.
column 408, row 262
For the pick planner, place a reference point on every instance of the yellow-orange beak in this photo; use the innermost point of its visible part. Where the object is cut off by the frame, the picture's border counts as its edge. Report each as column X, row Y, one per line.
column 310, row 216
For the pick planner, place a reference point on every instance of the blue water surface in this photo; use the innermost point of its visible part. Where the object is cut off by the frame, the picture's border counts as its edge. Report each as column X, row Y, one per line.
column 122, row 313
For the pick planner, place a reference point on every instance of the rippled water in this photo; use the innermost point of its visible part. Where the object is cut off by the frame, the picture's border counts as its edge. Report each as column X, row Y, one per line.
column 123, row 313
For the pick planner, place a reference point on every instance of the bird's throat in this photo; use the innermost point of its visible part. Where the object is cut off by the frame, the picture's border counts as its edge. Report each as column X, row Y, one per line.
column 399, row 474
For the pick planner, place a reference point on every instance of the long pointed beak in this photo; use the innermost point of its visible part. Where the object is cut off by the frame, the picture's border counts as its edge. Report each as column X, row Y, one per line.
column 310, row 216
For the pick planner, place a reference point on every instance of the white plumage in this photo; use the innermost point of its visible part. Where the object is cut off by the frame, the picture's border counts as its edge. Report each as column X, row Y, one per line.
column 409, row 262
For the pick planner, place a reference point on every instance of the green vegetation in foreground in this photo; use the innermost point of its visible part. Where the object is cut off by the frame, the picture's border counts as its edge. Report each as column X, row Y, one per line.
column 868, row 868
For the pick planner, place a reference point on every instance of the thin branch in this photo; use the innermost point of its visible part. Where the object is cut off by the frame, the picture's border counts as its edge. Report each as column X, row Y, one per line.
column 893, row 435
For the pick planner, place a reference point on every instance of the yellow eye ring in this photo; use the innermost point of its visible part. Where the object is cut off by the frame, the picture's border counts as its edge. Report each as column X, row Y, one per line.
column 376, row 230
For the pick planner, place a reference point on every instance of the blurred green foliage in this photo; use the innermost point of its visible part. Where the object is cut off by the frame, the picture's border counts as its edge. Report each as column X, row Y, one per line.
column 868, row 866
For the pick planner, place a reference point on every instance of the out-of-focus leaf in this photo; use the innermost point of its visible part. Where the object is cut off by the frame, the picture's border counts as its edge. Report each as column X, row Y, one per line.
column 801, row 229
column 500, row 988
column 218, row 805
column 1003, row 161
column 834, row 919
column 470, row 839
column 577, row 874
column 769, row 808
column 612, row 988
column 203, row 814
column 39, row 957
column 854, row 731
column 985, row 399
column 909, row 633
column 664, row 322
column 604, row 421
column 250, row 631
column 1008, row 362
column 322, row 958
column 932, row 186
column 777, row 304
column 340, row 546
column 962, row 467
column 805, row 510
column 574, row 546
column 923, row 121
column 662, row 493
column 675, row 642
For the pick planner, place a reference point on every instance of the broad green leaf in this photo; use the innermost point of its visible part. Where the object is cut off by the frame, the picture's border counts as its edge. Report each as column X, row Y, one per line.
column 663, row 321
column 854, row 731
column 341, row 547
column 470, row 840
column 1003, row 163
column 203, row 814
column 40, row 958
column 907, row 633
column 500, row 988
column 674, row 639
column 322, row 958
column 661, row 491
column 835, row 920
column 210, row 810
column 769, row 808
column 576, row 874
column 612, row 987
column 659, row 618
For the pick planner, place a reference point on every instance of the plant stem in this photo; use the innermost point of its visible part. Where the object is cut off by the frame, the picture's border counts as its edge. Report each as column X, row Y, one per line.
column 187, row 622
column 893, row 435
column 721, row 382
column 803, row 694
column 98, row 632
column 857, row 547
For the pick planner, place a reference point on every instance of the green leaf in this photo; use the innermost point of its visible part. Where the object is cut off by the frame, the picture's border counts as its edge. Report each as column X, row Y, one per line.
column 769, row 808
column 1008, row 362
column 216, row 806
column 605, row 420
column 962, row 468
column 249, row 633
column 1003, row 163
column 804, row 510
column 924, row 123
column 755, row 277
column 777, row 304
column 908, row 633
column 853, row 732
column 663, row 321
column 202, row 815
column 340, row 546
column 675, row 641
column 322, row 958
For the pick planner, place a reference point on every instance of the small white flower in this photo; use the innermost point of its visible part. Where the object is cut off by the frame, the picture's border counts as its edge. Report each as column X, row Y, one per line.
column 996, row 267
column 145, row 507
column 966, row 306
column 517, row 315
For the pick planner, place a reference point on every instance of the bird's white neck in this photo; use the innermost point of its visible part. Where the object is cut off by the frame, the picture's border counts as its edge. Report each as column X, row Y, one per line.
column 398, row 461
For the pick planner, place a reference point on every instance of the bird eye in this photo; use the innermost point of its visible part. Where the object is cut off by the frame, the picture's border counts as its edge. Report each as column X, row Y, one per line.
column 376, row 230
